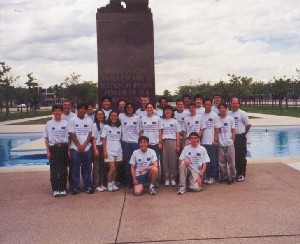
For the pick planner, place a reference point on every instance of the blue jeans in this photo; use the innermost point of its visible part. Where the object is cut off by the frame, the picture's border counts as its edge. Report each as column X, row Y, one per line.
column 85, row 161
column 212, row 170
column 128, row 148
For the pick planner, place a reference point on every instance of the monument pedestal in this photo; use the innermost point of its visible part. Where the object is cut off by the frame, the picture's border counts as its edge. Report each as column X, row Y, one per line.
column 125, row 47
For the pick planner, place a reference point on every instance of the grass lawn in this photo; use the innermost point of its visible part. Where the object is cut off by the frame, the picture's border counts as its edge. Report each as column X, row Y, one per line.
column 23, row 115
column 34, row 122
column 292, row 111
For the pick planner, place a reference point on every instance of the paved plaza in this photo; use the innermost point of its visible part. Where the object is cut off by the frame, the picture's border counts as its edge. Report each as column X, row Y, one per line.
column 263, row 209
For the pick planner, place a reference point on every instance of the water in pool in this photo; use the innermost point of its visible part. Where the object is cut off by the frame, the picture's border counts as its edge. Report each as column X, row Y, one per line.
column 276, row 141
column 9, row 141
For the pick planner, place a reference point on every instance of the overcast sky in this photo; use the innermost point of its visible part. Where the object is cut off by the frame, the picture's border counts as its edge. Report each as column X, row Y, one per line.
column 194, row 39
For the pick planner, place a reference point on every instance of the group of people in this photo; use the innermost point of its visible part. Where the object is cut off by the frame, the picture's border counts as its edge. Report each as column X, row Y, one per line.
column 200, row 141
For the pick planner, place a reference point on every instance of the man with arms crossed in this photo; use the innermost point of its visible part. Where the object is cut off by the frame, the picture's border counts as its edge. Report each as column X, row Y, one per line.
column 144, row 166
column 242, row 127
column 192, row 161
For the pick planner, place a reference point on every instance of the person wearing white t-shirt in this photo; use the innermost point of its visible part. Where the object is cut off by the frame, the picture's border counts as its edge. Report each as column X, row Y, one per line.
column 163, row 101
column 99, row 167
column 179, row 115
column 186, row 98
column 242, row 127
column 141, row 112
column 198, row 100
column 57, row 146
column 192, row 165
column 151, row 127
column 121, row 108
column 90, row 112
column 131, row 127
column 216, row 101
column 226, row 150
column 80, row 129
column 192, row 123
column 144, row 167
column 106, row 106
column 112, row 150
column 170, row 138
column 67, row 114
column 210, row 140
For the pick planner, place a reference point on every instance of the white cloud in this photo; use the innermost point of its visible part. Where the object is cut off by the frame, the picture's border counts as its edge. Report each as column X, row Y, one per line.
column 193, row 39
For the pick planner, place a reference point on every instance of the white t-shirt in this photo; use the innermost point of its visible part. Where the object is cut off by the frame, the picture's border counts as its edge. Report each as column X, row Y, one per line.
column 193, row 124
column 131, row 128
column 121, row 116
column 169, row 128
column 225, row 134
column 97, row 134
column 142, row 159
column 215, row 109
column 56, row 132
column 113, row 139
column 68, row 117
column 241, row 120
column 196, row 156
column 91, row 117
column 141, row 113
column 212, row 122
column 82, row 128
column 180, row 117
column 150, row 127
column 106, row 112
column 200, row 111
column 159, row 113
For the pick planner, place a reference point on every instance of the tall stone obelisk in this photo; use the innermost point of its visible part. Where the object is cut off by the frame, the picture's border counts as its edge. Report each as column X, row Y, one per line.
column 125, row 46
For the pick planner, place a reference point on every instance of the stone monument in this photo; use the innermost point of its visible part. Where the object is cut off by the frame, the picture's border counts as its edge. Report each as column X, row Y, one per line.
column 125, row 45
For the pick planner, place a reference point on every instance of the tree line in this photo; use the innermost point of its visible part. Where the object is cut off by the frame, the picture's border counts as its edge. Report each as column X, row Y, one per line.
column 282, row 91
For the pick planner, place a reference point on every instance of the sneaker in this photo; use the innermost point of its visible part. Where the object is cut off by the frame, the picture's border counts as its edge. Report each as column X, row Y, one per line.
column 115, row 188
column 99, row 189
column 104, row 188
column 231, row 181
column 241, row 178
column 90, row 191
column 173, row 183
column 63, row 193
column 151, row 190
column 211, row 181
column 74, row 192
column 110, row 188
column 192, row 189
column 181, row 190
column 56, row 193
column 167, row 183
column 205, row 180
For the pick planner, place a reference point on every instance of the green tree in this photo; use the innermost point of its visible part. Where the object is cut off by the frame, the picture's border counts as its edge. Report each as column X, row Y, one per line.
column 6, row 85
column 32, row 92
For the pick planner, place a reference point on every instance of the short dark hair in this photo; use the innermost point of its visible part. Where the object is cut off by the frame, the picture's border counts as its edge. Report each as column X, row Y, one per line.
column 162, row 98
column 143, row 138
column 193, row 134
column 82, row 105
column 107, row 97
column 207, row 99
column 121, row 100
column 168, row 107
column 217, row 94
column 186, row 95
column 118, row 123
column 179, row 100
column 197, row 96
column 90, row 104
column 57, row 106
column 126, row 106
column 223, row 104
column 191, row 105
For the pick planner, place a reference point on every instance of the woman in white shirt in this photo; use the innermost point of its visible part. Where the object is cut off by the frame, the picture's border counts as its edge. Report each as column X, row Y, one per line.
column 112, row 150
column 99, row 169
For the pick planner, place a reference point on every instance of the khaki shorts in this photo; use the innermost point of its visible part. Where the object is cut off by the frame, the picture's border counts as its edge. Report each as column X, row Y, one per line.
column 111, row 158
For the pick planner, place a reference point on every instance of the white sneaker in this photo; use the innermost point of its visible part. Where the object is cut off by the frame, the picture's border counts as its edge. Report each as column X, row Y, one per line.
column 56, row 193
column 173, row 183
column 181, row 190
column 115, row 188
column 63, row 193
column 151, row 190
column 167, row 183
column 241, row 178
column 211, row 181
column 99, row 189
column 104, row 188
column 110, row 187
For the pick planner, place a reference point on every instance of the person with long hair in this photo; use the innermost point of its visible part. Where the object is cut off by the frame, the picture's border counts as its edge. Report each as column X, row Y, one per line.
column 112, row 150
column 99, row 169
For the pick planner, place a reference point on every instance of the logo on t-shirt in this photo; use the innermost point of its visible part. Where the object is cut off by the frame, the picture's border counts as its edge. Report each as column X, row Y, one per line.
column 153, row 122
column 210, row 119
column 198, row 154
column 85, row 125
column 196, row 122
column 125, row 123
column 225, row 124
column 148, row 159
column 63, row 127
column 189, row 153
column 118, row 132
column 171, row 125
column 76, row 125
column 139, row 160
column 134, row 123
column 53, row 128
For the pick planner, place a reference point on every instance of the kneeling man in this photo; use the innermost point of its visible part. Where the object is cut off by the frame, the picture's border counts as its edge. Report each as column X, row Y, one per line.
column 143, row 167
column 192, row 162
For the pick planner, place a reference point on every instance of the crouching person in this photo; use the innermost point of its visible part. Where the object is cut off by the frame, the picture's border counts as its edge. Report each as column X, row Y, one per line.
column 192, row 165
column 144, row 167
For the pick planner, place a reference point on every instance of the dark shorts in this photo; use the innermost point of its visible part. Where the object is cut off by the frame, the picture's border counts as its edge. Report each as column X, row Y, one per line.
column 142, row 179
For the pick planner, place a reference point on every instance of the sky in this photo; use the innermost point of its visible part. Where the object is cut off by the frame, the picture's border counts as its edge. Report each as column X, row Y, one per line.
column 194, row 40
